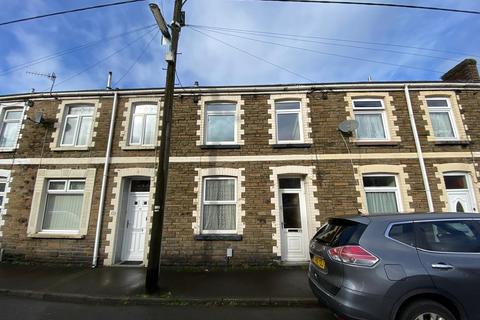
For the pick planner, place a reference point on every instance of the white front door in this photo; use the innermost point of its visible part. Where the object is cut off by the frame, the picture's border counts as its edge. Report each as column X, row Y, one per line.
column 293, row 221
column 135, row 225
column 459, row 191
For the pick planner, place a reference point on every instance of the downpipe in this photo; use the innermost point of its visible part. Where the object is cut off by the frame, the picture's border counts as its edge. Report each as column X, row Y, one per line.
column 419, row 150
column 103, row 191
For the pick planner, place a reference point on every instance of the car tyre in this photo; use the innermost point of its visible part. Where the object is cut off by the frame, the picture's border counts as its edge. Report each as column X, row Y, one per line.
column 426, row 310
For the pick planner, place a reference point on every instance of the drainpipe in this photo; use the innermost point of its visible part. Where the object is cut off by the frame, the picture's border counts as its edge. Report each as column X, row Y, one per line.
column 419, row 150
column 104, row 181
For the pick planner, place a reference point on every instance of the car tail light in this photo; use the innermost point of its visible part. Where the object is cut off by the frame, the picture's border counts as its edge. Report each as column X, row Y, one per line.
column 354, row 255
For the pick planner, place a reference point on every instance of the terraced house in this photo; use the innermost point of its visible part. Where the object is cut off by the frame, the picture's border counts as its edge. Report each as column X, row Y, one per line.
column 255, row 169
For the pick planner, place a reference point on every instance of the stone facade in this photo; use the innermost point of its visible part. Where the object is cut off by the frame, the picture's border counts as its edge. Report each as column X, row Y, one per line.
column 330, row 166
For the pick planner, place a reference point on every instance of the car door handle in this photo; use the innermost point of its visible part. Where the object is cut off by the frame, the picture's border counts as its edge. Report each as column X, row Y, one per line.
column 442, row 266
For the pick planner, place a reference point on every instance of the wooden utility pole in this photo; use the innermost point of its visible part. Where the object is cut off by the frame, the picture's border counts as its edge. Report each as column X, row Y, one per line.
column 153, row 266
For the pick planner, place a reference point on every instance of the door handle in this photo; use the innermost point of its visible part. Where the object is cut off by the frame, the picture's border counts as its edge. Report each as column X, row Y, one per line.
column 128, row 223
column 442, row 266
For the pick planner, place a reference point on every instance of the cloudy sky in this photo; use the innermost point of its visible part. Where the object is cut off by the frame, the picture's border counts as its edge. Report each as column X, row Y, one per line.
column 246, row 42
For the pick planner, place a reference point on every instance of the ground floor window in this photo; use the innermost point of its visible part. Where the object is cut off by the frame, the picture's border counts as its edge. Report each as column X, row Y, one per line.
column 382, row 193
column 219, row 205
column 63, row 206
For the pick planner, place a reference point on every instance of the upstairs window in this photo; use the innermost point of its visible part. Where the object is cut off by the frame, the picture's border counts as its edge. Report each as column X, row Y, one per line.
column 11, row 119
column 144, row 122
column 370, row 115
column 63, row 206
column 219, row 205
column 441, row 117
column 382, row 193
column 289, row 122
column 220, row 123
column 78, row 125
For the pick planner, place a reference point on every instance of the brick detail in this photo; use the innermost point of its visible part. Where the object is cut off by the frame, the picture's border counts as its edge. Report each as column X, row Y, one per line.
column 127, row 122
column 393, row 128
column 470, row 169
column 197, row 200
column 311, row 202
column 239, row 116
column 118, row 192
column 404, row 188
column 305, row 115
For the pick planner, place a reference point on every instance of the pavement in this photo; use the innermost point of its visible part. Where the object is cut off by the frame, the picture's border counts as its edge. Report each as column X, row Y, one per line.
column 125, row 285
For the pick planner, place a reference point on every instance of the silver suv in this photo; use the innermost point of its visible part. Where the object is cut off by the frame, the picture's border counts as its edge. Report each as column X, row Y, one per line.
column 398, row 267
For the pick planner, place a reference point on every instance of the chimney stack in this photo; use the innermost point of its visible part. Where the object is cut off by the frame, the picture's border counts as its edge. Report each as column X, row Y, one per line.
column 465, row 71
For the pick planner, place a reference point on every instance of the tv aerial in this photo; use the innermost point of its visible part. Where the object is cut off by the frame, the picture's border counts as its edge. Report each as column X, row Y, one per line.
column 51, row 76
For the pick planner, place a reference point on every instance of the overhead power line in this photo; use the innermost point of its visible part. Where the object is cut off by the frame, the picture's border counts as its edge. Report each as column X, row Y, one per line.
column 379, row 4
column 105, row 58
column 69, row 11
column 67, row 51
column 302, row 39
column 384, row 44
column 327, row 53
column 144, row 50
column 252, row 55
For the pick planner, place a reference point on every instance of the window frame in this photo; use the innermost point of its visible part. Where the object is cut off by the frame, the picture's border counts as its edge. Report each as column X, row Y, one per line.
column 19, row 121
column 218, row 202
column 369, row 111
column 3, row 180
column 395, row 189
column 66, row 190
column 220, row 113
column 289, row 111
column 144, row 119
column 78, row 125
column 450, row 114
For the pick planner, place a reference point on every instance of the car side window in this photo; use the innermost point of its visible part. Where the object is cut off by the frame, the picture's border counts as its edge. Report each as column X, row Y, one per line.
column 449, row 236
column 403, row 232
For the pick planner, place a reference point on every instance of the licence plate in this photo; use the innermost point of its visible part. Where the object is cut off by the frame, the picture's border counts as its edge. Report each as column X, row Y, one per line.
column 319, row 262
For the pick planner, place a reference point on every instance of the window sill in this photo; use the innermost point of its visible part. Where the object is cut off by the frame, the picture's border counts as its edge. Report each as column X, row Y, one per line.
column 291, row 145
column 71, row 148
column 377, row 143
column 452, row 142
column 138, row 148
column 8, row 150
column 56, row 236
column 220, row 146
column 218, row 237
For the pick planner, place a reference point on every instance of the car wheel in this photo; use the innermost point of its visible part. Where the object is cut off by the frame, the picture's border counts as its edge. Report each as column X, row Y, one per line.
column 426, row 310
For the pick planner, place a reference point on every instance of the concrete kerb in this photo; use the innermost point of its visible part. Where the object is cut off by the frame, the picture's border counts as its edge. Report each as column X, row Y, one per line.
column 152, row 300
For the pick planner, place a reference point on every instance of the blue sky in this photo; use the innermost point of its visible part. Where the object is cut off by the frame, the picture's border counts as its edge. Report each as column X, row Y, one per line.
column 211, row 62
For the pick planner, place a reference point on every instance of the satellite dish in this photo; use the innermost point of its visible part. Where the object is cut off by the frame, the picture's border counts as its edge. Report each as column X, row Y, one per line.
column 348, row 126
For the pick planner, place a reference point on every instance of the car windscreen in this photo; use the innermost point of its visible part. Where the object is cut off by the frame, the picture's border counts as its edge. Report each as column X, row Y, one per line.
column 449, row 236
column 340, row 233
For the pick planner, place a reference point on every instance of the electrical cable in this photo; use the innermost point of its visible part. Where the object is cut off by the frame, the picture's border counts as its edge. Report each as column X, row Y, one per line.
column 378, row 4
column 329, row 54
column 144, row 49
column 253, row 55
column 69, row 50
column 299, row 38
column 178, row 79
column 70, row 11
column 462, row 54
column 105, row 58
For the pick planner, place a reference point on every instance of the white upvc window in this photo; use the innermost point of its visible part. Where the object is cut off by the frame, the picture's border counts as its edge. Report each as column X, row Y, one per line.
column 288, row 117
column 220, row 123
column 3, row 192
column 77, row 126
column 442, row 119
column 371, row 118
column 63, row 206
column 382, row 193
column 144, row 123
column 219, row 205
column 10, row 126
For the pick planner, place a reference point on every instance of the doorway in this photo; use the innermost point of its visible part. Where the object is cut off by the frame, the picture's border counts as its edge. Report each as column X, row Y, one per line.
column 459, row 192
column 293, row 219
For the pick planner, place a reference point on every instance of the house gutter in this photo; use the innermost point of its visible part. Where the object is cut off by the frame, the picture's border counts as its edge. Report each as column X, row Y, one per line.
column 419, row 150
column 103, row 191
